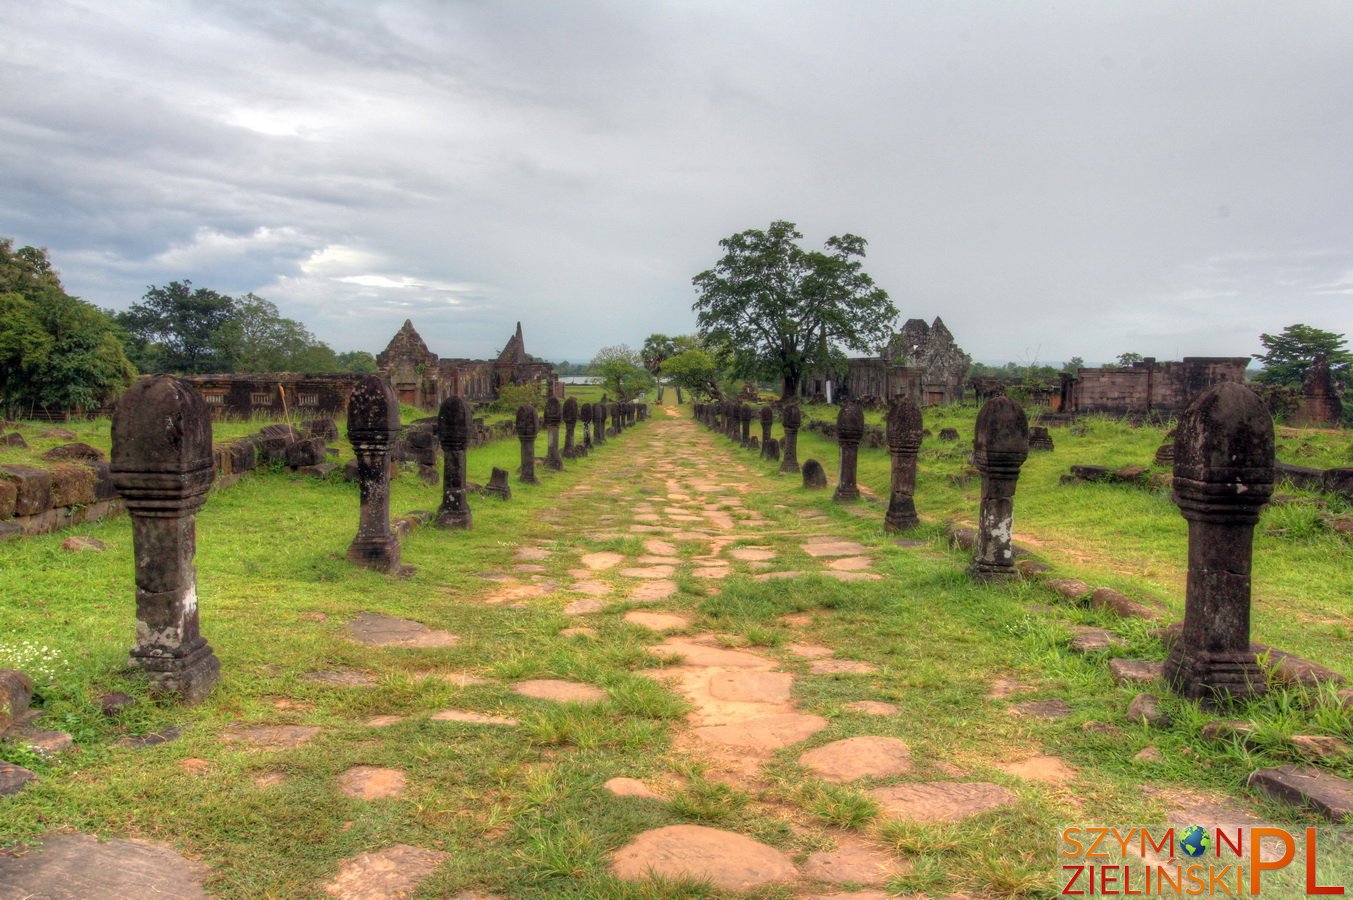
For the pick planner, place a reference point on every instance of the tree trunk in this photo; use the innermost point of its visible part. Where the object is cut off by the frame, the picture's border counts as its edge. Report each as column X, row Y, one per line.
column 790, row 388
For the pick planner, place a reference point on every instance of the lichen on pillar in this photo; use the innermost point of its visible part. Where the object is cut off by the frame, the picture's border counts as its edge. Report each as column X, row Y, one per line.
column 1000, row 447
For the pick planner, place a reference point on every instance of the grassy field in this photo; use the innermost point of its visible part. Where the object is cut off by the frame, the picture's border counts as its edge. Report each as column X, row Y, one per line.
column 521, row 810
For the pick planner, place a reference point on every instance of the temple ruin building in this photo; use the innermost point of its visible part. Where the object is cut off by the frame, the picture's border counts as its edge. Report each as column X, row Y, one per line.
column 922, row 363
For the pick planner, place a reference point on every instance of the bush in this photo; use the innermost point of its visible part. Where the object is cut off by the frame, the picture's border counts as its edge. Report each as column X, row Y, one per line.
column 511, row 396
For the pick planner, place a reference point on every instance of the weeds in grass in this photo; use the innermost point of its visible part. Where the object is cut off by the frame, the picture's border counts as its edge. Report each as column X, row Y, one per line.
column 559, row 849
column 838, row 804
column 708, row 801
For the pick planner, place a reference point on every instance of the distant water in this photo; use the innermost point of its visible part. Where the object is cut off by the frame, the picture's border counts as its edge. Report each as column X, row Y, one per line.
column 580, row 379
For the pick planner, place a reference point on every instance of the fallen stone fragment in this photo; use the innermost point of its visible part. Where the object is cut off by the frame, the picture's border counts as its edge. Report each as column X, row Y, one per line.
column 1093, row 640
column 1306, row 788
column 725, row 859
column 1135, row 671
column 393, row 872
column 1321, row 747
column 1149, row 755
column 1145, row 709
column 12, row 780
column 1043, row 709
column 1072, row 589
column 82, row 544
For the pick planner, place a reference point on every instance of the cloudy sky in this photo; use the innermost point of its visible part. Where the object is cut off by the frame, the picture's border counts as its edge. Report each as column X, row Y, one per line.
column 1053, row 179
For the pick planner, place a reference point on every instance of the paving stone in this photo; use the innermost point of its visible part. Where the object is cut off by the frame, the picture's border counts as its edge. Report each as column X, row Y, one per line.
column 1307, row 788
column 649, row 572
column 529, row 569
column 154, row 739
column 853, row 576
column 834, row 548
column 1093, row 640
column 471, row 718
column 1043, row 709
column 1002, row 688
column 82, row 544
column 1135, row 671
column 698, row 654
column 751, row 686
column 371, row 783
column 272, row 737
column 515, row 593
column 1145, row 709
column 81, row 867
column 591, row 588
column 851, row 564
column 765, row 733
column 584, row 607
column 44, row 741
column 393, row 872
column 660, row 548
column 379, row 630
column 841, row 667
column 853, row 862
column 775, row 576
column 941, row 801
column 269, row 780
column 534, row 554
column 1149, row 755
column 630, row 787
column 383, row 721
column 559, row 690
column 1321, row 747
column 657, row 621
column 598, row 562
column 653, row 591
column 1047, row 769
column 810, row 651
column 342, row 678
column 712, row 572
column 858, row 757
column 752, row 554
column 460, row 679
column 726, row 859
column 873, row 708
column 579, row 631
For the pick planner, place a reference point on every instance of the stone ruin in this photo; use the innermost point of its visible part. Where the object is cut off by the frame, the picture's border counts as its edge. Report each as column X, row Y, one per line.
column 1320, row 403
column 1223, row 476
column 498, row 485
column 453, row 430
column 162, row 467
column 570, row 417
column 528, row 426
column 814, row 476
column 904, row 443
column 791, row 417
column 373, row 426
column 554, row 415
column 1039, row 438
column 1000, row 446
column 849, row 431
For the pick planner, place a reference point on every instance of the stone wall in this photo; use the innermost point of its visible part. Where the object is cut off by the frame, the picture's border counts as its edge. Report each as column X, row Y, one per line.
column 1147, row 387
column 274, row 395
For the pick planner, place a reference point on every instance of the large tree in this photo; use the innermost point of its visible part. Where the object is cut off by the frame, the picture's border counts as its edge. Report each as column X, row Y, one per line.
column 178, row 328
column 57, row 352
column 780, row 311
column 621, row 372
column 1289, row 355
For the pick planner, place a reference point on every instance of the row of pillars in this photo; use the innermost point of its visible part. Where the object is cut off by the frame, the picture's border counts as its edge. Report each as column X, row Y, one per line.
column 162, row 468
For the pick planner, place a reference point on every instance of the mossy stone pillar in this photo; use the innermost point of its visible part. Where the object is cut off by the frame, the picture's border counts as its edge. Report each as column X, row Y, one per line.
column 373, row 428
column 570, row 414
column 453, row 430
column 528, row 426
column 791, row 417
column 1000, row 446
column 554, row 414
column 849, row 432
column 904, row 442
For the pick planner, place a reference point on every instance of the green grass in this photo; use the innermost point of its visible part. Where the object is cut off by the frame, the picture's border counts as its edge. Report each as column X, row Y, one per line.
column 522, row 811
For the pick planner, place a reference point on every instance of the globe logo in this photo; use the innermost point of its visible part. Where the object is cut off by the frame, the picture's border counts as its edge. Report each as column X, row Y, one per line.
column 1195, row 841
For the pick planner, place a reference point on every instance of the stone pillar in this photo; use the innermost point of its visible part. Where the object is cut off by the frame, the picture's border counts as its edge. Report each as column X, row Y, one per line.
column 1000, row 446
column 1223, row 476
column 528, row 426
column 745, row 420
column 791, row 417
column 904, row 442
column 554, row 414
column 616, row 418
column 453, row 430
column 849, row 431
column 161, row 466
column 373, row 428
column 767, row 416
column 570, row 414
column 586, row 415
column 599, row 422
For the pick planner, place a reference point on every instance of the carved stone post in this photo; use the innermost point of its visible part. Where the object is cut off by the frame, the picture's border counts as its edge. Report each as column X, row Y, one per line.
column 554, row 414
column 616, row 417
column 1000, row 446
column 586, row 415
column 849, row 431
column 1223, row 476
column 791, row 417
column 373, row 428
column 599, row 422
column 570, row 414
column 161, row 466
column 767, row 416
column 453, row 430
column 904, row 442
column 528, row 426
column 745, row 420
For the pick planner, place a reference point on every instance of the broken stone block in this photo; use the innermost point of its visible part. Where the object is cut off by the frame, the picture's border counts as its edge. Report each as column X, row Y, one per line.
column 1135, row 671
column 1093, row 640
column 498, row 485
column 1321, row 747
column 33, row 489
column 8, row 495
column 1122, row 605
column 74, row 452
column 13, row 439
column 814, row 477
column 82, row 544
column 14, row 778
column 72, row 485
column 1145, row 709
column 1306, row 788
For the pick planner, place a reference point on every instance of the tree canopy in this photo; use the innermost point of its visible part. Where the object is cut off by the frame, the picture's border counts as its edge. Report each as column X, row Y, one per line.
column 780, row 311
column 622, row 372
column 1289, row 354
column 57, row 352
column 695, row 370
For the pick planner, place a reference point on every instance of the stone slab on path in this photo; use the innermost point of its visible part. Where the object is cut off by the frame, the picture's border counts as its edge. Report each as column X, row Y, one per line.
column 385, row 874
column 727, row 860
column 559, row 690
column 853, row 862
column 858, row 757
column 471, row 718
column 603, row 560
column 81, row 867
column 630, row 787
column 371, row 783
column 14, row 778
column 941, row 801
column 654, row 621
column 765, row 733
column 272, row 737
column 873, row 708
column 1045, row 769
column 653, row 591
column 841, row 667
column 694, row 653
column 834, row 547
column 376, row 630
